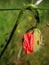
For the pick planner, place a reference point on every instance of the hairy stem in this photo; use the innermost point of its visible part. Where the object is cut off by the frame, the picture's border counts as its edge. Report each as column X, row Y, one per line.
column 28, row 7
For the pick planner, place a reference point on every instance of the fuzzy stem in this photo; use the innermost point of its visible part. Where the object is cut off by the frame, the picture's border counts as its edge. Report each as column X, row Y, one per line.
column 28, row 7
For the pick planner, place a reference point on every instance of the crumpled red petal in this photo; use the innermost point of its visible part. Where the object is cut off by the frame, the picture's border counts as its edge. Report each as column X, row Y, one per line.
column 28, row 42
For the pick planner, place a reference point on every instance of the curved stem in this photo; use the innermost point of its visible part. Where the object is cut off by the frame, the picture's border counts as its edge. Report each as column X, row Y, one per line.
column 28, row 7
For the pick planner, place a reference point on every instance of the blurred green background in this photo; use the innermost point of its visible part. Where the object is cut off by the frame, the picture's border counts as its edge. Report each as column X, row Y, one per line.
column 7, row 21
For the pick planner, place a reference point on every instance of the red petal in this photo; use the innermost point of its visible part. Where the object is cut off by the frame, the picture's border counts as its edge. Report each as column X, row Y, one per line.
column 28, row 42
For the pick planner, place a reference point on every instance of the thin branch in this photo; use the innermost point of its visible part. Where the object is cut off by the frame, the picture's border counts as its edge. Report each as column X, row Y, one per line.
column 10, row 9
column 19, row 55
column 20, row 9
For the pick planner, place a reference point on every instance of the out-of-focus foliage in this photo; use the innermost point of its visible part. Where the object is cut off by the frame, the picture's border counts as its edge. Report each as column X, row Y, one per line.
column 7, row 21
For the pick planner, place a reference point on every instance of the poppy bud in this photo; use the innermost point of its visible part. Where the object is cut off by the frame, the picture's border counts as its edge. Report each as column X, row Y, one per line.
column 32, row 41
column 28, row 42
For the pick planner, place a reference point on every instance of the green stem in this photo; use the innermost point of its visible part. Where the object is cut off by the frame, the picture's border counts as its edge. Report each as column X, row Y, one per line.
column 28, row 7
column 20, row 9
